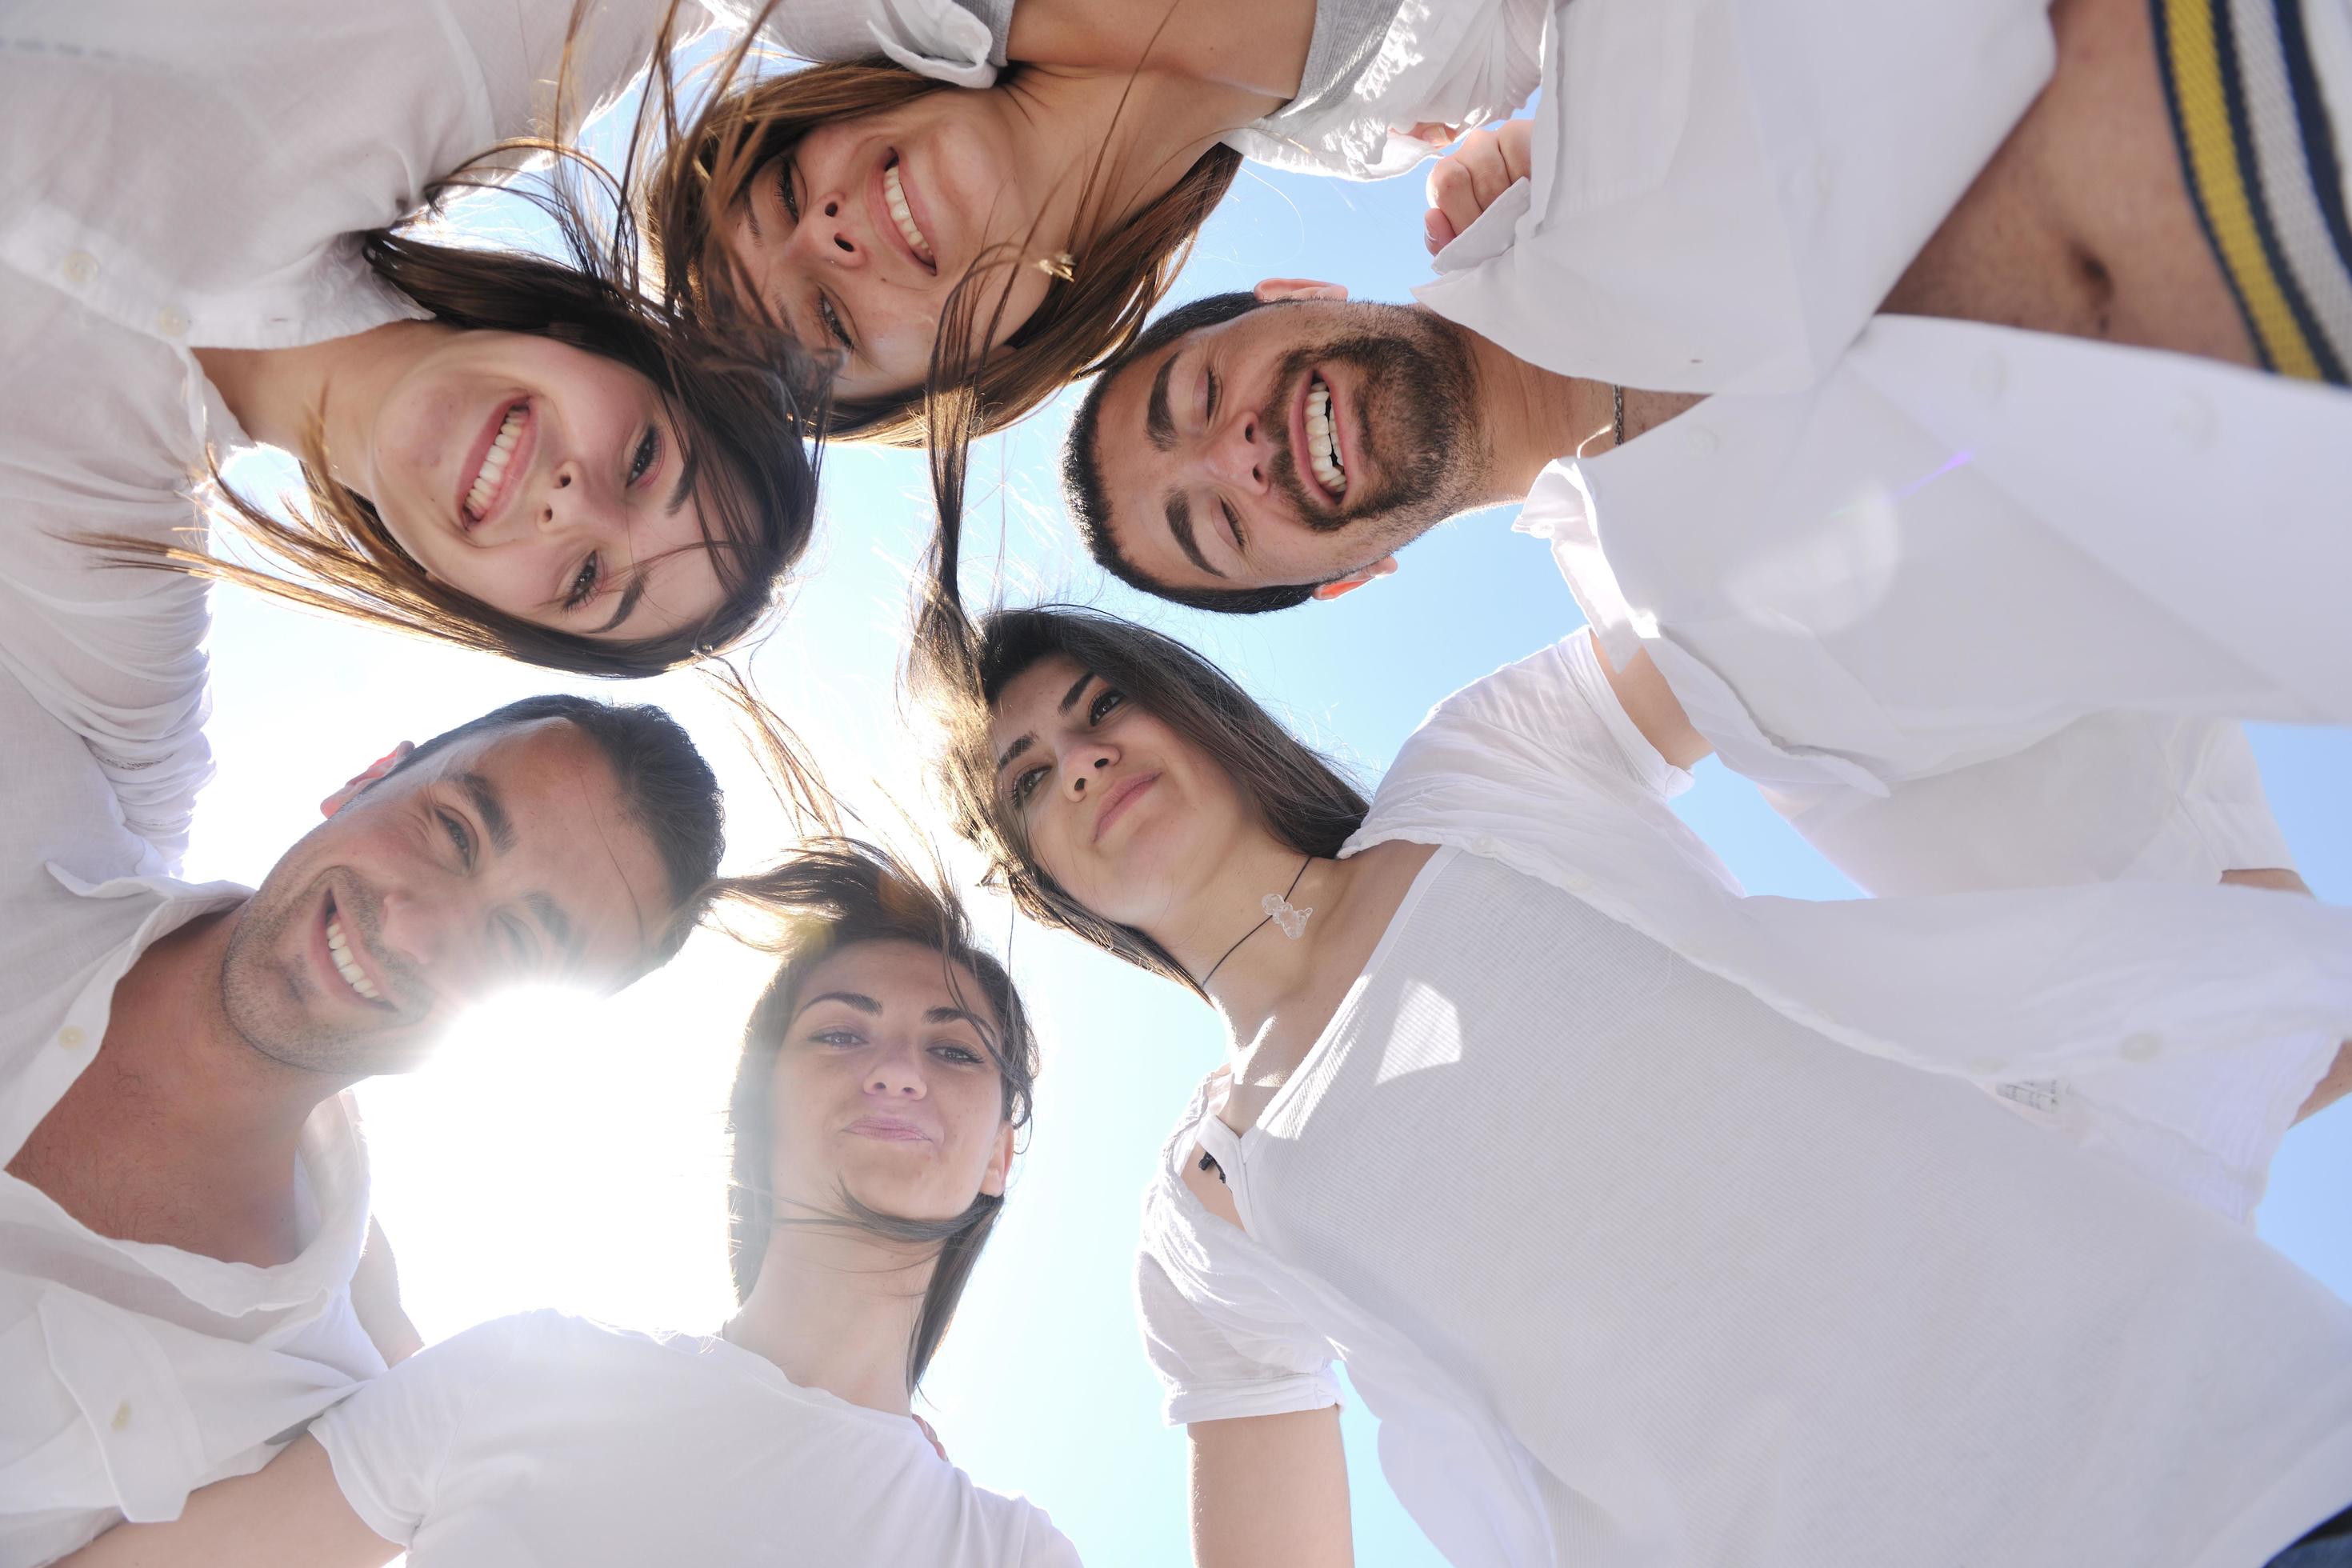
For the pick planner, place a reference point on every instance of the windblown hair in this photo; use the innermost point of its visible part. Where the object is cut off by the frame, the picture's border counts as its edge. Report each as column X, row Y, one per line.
column 1090, row 502
column 961, row 671
column 829, row 895
column 742, row 398
column 1096, row 301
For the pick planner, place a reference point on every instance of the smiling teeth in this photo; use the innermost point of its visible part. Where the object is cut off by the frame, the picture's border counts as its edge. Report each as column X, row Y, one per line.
column 345, row 966
column 901, row 214
column 494, row 464
column 1323, row 438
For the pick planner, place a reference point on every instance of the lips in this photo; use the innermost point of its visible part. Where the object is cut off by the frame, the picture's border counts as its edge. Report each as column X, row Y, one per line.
column 499, row 457
column 1121, row 796
column 888, row 1129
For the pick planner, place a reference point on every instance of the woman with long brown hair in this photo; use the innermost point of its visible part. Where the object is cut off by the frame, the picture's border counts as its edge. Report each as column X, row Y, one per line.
column 1608, row 1183
column 538, row 458
column 886, row 1075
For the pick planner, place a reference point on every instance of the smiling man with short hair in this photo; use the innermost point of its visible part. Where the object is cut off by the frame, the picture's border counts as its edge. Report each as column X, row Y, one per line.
column 186, row 1196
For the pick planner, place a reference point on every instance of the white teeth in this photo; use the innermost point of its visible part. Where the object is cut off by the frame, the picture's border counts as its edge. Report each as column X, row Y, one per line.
column 895, row 196
column 341, row 951
column 494, row 463
column 1323, row 438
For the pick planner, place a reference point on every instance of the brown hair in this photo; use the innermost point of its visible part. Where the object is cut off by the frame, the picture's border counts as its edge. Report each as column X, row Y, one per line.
column 829, row 895
column 743, row 398
column 961, row 671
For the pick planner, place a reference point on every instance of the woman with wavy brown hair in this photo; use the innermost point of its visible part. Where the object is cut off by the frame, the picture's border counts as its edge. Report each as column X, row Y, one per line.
column 538, row 458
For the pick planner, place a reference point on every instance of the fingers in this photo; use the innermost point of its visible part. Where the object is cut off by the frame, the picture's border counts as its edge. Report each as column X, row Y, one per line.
column 1468, row 180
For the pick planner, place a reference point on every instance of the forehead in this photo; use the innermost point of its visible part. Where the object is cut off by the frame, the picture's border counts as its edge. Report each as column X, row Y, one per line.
column 902, row 975
column 545, row 789
column 1031, row 700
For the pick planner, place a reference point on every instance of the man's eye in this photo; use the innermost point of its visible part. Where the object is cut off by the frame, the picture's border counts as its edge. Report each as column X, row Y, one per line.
column 648, row 449
column 1209, row 412
column 583, row 583
column 1234, row 521
column 460, row 837
column 1105, row 702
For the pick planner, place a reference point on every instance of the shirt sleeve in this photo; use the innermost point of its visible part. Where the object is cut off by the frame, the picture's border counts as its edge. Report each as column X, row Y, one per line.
column 1259, row 1364
column 392, row 1443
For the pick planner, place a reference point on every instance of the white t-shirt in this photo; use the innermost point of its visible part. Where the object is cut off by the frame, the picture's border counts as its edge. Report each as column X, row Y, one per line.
column 546, row 1439
column 1634, row 1269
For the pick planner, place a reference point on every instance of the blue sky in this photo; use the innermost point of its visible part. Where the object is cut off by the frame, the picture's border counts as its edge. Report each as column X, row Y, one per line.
column 562, row 1154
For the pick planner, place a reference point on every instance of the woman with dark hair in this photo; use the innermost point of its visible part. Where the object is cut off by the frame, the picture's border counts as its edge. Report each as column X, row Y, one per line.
column 1609, row 1184
column 886, row 1075
column 542, row 460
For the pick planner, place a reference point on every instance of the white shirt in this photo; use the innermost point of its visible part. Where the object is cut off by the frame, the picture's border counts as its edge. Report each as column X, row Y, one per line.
column 1630, row 1268
column 544, row 1438
column 1700, row 1328
column 134, row 1371
column 1460, row 64
column 291, row 129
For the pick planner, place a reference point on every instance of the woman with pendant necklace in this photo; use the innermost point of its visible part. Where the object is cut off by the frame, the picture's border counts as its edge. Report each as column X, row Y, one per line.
column 1657, row 1224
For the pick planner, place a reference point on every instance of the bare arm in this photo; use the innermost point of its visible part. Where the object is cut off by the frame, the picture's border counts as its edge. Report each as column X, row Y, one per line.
column 1654, row 709
column 1271, row 1491
column 288, row 1514
column 1257, row 45
column 375, row 1299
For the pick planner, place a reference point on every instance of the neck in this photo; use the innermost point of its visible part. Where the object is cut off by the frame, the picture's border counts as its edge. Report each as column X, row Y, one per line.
column 1252, row 984
column 284, row 396
column 1114, row 141
column 835, row 1309
column 210, row 1111
column 1537, row 418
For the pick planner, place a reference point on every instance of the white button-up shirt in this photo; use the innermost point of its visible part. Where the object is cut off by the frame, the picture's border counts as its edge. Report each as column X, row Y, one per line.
column 134, row 1371
column 289, row 129
column 1701, row 1328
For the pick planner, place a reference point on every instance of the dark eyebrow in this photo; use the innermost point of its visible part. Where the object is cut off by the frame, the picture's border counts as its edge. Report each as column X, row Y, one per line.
column 1069, row 700
column 956, row 1014
column 628, row 605
column 557, row 925
column 857, row 999
column 1157, row 422
column 493, row 811
column 1180, row 527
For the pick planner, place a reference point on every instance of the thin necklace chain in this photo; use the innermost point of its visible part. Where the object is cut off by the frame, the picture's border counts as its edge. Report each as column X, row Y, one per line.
column 1260, row 926
column 1617, row 419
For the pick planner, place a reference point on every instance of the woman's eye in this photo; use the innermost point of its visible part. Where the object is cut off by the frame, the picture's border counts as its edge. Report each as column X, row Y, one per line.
column 784, row 187
column 583, row 583
column 460, row 837
column 832, row 320
column 958, row 1055
column 840, row 1037
column 648, row 451
column 1104, row 703
column 1024, row 785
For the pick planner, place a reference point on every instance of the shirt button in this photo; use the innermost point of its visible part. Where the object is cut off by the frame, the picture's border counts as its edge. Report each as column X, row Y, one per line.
column 1704, row 441
column 81, row 267
column 1486, row 844
column 71, row 1037
column 2141, row 1048
column 2193, row 422
column 123, row 1415
column 170, row 322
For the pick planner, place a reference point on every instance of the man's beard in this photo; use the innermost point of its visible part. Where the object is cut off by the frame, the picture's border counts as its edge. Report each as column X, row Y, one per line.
column 1416, row 428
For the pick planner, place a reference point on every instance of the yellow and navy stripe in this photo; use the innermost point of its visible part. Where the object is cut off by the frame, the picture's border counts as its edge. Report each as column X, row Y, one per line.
column 2264, row 170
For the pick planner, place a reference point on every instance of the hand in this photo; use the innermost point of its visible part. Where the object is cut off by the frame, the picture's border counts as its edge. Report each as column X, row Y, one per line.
column 1467, row 180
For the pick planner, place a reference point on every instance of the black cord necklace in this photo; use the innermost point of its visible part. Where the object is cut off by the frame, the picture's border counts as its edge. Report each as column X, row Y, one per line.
column 1273, row 907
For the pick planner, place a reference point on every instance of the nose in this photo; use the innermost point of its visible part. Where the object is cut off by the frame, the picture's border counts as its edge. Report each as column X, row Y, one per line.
column 1235, row 452
column 567, row 504
column 895, row 1074
column 1082, row 769
column 432, row 936
column 827, row 238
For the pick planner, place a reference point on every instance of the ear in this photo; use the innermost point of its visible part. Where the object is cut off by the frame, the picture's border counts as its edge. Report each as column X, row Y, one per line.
column 1273, row 288
column 360, row 781
column 1000, row 1164
column 1385, row 566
